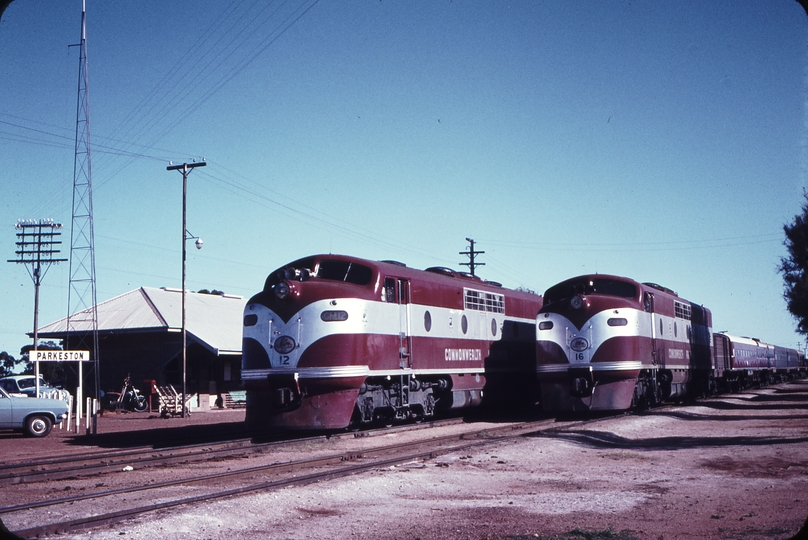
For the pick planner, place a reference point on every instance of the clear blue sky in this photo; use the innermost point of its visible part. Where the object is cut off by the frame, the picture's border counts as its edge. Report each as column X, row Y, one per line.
column 664, row 141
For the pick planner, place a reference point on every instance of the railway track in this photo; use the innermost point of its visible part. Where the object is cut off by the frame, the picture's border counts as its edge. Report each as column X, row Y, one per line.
column 234, row 468
column 71, row 511
column 97, row 463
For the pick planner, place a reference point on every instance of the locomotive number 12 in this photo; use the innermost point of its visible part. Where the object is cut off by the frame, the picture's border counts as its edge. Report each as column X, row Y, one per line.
column 284, row 359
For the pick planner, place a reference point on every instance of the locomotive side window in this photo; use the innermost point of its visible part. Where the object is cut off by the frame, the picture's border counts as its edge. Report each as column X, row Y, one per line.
column 681, row 310
column 396, row 291
column 484, row 301
column 403, row 291
column 389, row 290
column 427, row 321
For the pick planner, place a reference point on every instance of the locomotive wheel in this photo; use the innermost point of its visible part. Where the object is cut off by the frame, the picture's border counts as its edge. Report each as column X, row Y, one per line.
column 429, row 408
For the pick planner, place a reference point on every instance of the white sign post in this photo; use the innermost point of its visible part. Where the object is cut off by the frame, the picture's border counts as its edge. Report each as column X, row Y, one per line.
column 63, row 356
column 67, row 356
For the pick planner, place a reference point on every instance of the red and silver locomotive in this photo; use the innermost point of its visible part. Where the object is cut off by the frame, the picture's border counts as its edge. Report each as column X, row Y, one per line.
column 610, row 343
column 334, row 341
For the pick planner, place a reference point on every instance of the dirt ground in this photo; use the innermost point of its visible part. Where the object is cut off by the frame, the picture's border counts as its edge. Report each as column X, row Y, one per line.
column 729, row 468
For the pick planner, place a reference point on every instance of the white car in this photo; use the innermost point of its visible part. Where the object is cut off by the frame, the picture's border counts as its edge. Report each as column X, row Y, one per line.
column 26, row 384
column 33, row 416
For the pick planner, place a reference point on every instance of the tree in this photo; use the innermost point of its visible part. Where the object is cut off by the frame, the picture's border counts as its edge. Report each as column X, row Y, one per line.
column 7, row 364
column 53, row 369
column 794, row 267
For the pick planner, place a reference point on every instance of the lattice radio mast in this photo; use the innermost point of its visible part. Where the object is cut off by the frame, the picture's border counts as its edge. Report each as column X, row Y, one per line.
column 82, row 311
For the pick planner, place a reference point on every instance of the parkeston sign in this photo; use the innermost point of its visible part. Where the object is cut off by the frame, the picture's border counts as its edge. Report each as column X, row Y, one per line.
column 62, row 356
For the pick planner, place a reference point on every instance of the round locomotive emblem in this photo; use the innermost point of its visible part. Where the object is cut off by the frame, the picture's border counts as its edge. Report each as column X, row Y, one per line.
column 579, row 344
column 284, row 345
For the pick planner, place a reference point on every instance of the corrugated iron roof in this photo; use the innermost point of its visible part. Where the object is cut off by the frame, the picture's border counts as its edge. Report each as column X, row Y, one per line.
column 212, row 320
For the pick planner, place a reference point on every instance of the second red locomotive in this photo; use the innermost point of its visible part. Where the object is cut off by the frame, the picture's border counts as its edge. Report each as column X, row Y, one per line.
column 610, row 343
column 334, row 341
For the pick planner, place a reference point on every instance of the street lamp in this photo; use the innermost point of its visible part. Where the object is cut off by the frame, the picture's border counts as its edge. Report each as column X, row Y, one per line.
column 185, row 169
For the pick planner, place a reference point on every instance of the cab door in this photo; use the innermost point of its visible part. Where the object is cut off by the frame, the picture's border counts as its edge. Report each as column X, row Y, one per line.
column 397, row 291
column 648, row 305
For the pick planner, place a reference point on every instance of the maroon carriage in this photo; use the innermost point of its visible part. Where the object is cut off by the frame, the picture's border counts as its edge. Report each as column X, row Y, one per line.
column 334, row 341
column 743, row 362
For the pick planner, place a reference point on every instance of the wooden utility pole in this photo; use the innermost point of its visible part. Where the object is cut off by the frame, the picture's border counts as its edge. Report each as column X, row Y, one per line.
column 471, row 254
column 185, row 169
column 36, row 249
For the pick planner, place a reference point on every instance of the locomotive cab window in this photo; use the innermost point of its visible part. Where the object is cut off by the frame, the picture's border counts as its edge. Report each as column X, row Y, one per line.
column 346, row 271
column 608, row 287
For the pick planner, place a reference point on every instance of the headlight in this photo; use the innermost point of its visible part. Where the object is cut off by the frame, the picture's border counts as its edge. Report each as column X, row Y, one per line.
column 282, row 290
column 577, row 302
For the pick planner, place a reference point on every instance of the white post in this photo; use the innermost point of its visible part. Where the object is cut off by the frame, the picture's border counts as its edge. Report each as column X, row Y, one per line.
column 79, row 396
column 78, row 407
column 89, row 412
column 95, row 416
column 69, row 411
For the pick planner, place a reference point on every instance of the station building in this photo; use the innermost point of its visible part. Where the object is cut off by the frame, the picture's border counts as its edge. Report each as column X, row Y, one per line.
column 140, row 335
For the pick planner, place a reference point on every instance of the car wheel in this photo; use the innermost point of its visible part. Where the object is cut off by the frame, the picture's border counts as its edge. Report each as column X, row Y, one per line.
column 38, row 426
